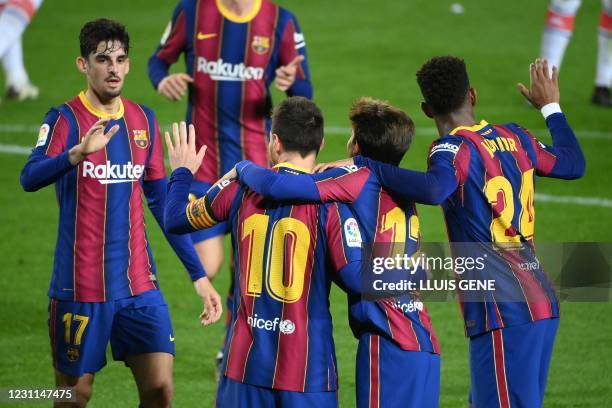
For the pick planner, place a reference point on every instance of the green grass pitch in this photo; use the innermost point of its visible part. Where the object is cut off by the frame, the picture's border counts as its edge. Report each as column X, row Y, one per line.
column 356, row 48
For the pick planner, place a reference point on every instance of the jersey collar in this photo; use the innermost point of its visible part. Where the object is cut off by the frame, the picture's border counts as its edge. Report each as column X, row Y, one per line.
column 227, row 13
column 475, row 128
column 97, row 112
column 292, row 166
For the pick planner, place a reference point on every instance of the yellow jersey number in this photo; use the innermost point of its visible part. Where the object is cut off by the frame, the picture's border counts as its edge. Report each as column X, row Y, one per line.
column 290, row 238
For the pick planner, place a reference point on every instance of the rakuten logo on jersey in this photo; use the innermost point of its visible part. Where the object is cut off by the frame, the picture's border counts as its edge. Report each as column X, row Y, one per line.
column 285, row 326
column 113, row 173
column 224, row 71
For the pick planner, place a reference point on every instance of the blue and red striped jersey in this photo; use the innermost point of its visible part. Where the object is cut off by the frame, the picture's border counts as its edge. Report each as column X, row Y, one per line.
column 484, row 178
column 233, row 62
column 102, row 251
column 285, row 258
column 495, row 167
column 386, row 221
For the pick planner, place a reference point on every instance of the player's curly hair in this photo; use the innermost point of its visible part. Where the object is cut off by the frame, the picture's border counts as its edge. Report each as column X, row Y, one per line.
column 102, row 29
column 298, row 123
column 444, row 84
column 382, row 131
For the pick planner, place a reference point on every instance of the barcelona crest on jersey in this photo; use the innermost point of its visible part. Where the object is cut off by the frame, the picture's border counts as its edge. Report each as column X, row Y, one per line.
column 260, row 44
column 140, row 138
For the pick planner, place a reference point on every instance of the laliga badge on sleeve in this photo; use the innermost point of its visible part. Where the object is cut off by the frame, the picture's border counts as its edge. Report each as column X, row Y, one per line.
column 43, row 133
column 352, row 235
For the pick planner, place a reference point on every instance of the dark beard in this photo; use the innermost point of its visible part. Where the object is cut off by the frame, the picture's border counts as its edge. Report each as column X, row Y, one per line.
column 111, row 94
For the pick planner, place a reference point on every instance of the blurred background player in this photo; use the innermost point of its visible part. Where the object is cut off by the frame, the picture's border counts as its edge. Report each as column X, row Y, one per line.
column 395, row 332
column 280, row 351
column 15, row 16
column 558, row 29
column 234, row 50
column 104, row 285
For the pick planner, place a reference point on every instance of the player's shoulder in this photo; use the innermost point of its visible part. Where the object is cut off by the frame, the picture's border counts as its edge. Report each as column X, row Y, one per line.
column 516, row 128
column 129, row 105
column 343, row 171
column 57, row 113
column 284, row 15
column 446, row 144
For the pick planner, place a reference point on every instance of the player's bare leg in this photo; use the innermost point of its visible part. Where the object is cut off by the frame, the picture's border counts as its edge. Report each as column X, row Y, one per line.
column 603, row 79
column 558, row 29
column 83, row 388
column 153, row 375
column 210, row 252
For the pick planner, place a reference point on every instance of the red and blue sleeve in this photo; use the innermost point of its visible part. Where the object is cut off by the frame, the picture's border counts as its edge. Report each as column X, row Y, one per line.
column 564, row 159
column 49, row 158
column 443, row 175
column 172, row 44
column 292, row 45
column 344, row 247
column 342, row 184
column 183, row 216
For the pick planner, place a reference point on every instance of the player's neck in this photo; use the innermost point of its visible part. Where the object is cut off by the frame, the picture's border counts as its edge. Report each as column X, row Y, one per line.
column 110, row 106
column 446, row 123
column 297, row 160
column 239, row 7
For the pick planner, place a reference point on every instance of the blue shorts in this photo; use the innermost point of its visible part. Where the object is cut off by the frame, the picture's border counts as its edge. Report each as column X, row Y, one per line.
column 387, row 376
column 198, row 189
column 80, row 331
column 234, row 394
column 509, row 366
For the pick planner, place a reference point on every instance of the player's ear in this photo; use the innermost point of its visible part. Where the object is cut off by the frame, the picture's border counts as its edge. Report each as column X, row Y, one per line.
column 322, row 146
column 81, row 64
column 427, row 110
column 473, row 96
column 276, row 144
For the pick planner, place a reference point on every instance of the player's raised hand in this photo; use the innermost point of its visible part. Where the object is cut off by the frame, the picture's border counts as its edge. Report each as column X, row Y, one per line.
column 174, row 86
column 182, row 151
column 321, row 167
column 211, row 299
column 285, row 75
column 544, row 89
column 95, row 139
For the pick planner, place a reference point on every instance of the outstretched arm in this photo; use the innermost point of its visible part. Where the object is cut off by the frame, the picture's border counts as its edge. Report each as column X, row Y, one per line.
column 275, row 185
column 564, row 159
column 431, row 187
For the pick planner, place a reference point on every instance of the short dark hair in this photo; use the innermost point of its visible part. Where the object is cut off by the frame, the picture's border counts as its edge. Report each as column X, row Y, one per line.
column 102, row 29
column 444, row 84
column 382, row 131
column 298, row 123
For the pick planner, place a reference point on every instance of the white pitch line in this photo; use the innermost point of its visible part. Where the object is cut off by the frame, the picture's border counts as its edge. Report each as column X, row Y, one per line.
column 585, row 201
column 19, row 128
column 14, row 149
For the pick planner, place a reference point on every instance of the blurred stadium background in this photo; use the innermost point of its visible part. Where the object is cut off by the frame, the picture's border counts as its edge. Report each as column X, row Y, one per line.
column 356, row 48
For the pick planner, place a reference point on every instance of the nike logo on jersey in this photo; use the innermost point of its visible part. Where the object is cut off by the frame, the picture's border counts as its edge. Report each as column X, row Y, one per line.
column 172, row 338
column 202, row 36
